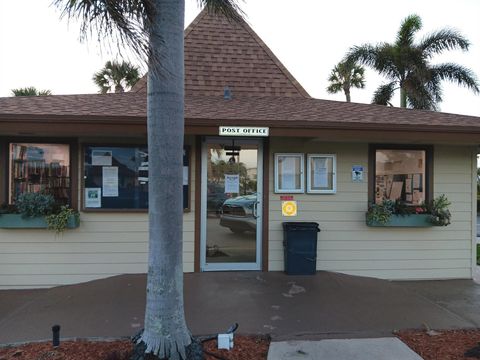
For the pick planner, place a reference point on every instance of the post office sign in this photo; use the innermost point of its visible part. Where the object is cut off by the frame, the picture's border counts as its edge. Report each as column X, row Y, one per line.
column 243, row 131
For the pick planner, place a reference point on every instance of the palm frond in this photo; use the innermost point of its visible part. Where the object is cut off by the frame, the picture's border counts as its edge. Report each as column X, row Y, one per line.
column 409, row 26
column 357, row 78
column 30, row 91
column 334, row 88
column 458, row 74
column 365, row 54
column 383, row 95
column 124, row 22
column 441, row 40
column 116, row 75
column 228, row 8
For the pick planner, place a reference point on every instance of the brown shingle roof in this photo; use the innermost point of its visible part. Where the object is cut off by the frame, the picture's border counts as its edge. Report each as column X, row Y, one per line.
column 221, row 53
column 214, row 110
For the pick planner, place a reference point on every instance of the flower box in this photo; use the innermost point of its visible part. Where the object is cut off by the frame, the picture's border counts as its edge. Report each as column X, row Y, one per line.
column 16, row 221
column 414, row 220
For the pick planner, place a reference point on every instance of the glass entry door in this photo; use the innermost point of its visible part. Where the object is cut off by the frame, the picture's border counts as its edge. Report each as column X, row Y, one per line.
column 231, row 204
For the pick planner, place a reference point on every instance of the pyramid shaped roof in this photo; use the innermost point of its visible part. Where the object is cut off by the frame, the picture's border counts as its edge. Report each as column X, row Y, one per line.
column 220, row 53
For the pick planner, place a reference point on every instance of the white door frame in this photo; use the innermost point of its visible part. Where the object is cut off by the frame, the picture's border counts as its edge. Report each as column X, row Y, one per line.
column 257, row 265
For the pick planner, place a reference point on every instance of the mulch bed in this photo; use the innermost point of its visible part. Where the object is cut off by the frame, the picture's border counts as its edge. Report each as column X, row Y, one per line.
column 441, row 345
column 245, row 348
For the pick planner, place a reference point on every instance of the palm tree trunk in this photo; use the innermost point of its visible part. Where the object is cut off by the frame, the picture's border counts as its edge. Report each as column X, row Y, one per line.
column 347, row 94
column 166, row 333
column 403, row 98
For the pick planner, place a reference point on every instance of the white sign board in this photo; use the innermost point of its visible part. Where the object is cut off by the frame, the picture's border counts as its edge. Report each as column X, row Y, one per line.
column 110, row 181
column 243, row 131
column 93, row 197
column 357, row 173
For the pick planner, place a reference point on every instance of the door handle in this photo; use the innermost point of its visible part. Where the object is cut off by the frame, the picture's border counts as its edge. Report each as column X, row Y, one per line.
column 255, row 212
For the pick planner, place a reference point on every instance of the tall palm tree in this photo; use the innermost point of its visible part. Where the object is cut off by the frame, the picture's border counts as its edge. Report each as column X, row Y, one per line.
column 155, row 28
column 30, row 91
column 406, row 64
column 116, row 75
column 344, row 76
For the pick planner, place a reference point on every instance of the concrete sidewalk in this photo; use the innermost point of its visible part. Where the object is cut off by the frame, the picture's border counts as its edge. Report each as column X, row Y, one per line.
column 327, row 305
column 342, row 349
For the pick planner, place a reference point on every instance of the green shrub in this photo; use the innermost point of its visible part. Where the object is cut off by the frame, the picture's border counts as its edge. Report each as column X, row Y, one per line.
column 438, row 210
column 58, row 221
column 35, row 204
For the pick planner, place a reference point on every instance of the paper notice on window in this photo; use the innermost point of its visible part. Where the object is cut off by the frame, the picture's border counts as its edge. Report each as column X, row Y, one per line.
column 408, row 185
column 288, row 173
column 185, row 175
column 93, row 197
column 416, row 181
column 110, row 181
column 102, row 157
column 232, row 184
column 396, row 192
column 320, row 173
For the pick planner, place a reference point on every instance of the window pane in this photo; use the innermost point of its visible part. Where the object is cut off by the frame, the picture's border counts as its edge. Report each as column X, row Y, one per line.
column 40, row 168
column 321, row 172
column 289, row 170
column 116, row 177
column 400, row 175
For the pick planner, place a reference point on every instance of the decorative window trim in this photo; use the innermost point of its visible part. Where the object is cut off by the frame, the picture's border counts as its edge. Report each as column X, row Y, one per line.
column 300, row 190
column 429, row 156
column 333, row 190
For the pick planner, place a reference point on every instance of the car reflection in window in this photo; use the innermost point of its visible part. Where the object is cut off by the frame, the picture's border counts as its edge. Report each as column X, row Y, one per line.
column 239, row 213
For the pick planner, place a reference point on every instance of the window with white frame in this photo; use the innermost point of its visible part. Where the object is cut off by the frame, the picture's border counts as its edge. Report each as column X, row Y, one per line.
column 321, row 173
column 289, row 173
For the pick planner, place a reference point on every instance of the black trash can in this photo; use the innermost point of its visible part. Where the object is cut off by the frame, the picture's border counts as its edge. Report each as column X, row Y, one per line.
column 300, row 247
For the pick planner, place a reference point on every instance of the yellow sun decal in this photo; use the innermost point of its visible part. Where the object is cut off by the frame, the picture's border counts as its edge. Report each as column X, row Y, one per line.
column 289, row 208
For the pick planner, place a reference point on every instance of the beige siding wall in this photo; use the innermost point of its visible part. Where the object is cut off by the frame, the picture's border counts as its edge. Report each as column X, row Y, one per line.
column 105, row 244
column 347, row 245
column 108, row 244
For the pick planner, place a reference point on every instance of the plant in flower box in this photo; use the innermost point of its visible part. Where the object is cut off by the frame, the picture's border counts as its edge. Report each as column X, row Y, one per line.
column 38, row 210
column 399, row 214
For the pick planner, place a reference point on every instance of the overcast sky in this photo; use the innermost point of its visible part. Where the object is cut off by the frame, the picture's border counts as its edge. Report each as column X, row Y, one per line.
column 308, row 36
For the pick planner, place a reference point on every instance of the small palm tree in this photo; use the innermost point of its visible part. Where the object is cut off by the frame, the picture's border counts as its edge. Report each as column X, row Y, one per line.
column 406, row 64
column 118, row 76
column 30, row 91
column 344, row 76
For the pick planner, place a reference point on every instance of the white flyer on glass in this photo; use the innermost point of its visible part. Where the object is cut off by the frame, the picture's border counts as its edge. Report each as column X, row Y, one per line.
column 110, row 181
column 93, row 197
column 288, row 173
column 185, row 175
column 320, row 173
column 232, row 184
column 101, row 157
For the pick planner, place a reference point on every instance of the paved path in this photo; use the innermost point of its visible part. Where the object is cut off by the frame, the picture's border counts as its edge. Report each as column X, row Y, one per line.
column 344, row 349
column 327, row 305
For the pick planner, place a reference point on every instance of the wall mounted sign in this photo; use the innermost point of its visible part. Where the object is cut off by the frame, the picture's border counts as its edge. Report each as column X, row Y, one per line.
column 289, row 208
column 357, row 173
column 242, row 131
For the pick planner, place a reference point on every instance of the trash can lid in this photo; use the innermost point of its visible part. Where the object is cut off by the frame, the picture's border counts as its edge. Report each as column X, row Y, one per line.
column 300, row 226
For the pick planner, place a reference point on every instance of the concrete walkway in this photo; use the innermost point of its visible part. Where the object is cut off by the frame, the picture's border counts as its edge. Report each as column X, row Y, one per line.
column 327, row 305
column 345, row 349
